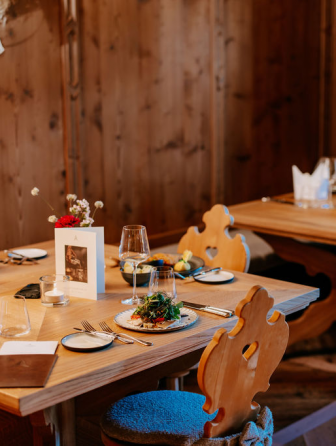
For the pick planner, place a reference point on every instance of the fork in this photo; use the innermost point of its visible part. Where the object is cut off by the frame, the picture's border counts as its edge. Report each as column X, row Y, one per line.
column 107, row 329
column 90, row 328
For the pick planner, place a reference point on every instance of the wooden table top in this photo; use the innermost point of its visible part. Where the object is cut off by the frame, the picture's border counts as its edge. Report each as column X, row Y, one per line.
column 77, row 373
column 286, row 220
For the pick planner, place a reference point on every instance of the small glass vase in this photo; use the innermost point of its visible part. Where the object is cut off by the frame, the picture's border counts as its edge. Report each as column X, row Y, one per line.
column 54, row 290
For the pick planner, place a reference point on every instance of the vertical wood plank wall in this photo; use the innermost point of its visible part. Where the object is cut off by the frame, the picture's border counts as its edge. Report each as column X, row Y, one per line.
column 178, row 104
column 31, row 131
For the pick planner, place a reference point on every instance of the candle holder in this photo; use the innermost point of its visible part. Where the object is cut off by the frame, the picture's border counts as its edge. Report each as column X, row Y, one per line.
column 54, row 290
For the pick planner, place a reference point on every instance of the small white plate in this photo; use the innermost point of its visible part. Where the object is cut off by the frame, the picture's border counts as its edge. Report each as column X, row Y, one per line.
column 85, row 342
column 215, row 278
column 32, row 253
column 122, row 319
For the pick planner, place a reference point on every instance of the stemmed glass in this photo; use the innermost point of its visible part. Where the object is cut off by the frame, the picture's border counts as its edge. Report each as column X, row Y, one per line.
column 134, row 248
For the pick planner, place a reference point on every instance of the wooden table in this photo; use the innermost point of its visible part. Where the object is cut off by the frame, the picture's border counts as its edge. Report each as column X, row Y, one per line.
column 120, row 368
column 288, row 228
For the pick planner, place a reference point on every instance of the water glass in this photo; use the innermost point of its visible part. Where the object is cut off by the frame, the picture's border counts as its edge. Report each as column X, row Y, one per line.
column 162, row 278
column 14, row 318
column 54, row 290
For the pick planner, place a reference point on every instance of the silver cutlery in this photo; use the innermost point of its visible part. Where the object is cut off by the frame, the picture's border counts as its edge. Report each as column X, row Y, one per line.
column 21, row 259
column 212, row 270
column 209, row 309
column 100, row 334
column 106, row 328
column 202, row 273
column 89, row 328
column 276, row 200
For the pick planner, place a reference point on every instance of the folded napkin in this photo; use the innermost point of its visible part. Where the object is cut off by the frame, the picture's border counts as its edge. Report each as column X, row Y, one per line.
column 28, row 347
column 311, row 187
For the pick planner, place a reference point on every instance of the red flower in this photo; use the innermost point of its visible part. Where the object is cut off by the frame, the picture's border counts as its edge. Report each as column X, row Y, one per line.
column 68, row 221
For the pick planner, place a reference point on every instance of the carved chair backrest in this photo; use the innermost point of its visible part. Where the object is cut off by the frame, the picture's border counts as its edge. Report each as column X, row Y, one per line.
column 232, row 253
column 238, row 364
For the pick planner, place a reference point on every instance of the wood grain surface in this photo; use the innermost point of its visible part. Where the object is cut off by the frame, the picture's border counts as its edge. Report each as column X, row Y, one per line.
column 187, row 103
column 78, row 373
column 287, row 228
column 286, row 220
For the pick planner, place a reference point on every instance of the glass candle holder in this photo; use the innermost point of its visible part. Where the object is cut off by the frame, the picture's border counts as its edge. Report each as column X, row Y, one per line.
column 54, row 290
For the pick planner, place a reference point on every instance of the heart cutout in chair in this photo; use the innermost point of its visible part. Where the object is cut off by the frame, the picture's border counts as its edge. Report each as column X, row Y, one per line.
column 211, row 252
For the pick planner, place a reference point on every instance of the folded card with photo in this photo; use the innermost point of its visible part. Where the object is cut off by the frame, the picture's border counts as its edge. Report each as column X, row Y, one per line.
column 79, row 254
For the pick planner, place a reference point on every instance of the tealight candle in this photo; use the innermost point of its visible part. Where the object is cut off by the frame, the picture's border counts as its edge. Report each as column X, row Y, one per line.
column 54, row 296
column 54, row 290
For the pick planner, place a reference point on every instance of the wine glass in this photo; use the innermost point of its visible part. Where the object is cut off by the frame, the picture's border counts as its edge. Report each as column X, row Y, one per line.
column 134, row 248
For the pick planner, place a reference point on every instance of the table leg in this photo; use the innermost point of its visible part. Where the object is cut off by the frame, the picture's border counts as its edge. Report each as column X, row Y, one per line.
column 319, row 316
column 43, row 431
column 55, row 426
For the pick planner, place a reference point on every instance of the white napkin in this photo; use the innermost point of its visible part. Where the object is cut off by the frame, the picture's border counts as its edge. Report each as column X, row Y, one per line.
column 311, row 187
column 28, row 347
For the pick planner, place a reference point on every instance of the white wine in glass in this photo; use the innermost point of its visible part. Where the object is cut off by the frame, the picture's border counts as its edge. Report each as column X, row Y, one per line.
column 134, row 248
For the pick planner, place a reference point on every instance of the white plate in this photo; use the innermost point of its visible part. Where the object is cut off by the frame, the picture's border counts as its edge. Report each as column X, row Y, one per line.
column 122, row 319
column 215, row 278
column 84, row 342
column 32, row 253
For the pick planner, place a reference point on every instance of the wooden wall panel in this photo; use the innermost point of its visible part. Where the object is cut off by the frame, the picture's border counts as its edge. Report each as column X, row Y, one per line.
column 147, row 83
column 273, row 57
column 31, row 134
column 174, row 105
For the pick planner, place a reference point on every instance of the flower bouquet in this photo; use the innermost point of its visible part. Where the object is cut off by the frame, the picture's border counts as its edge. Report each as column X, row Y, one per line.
column 79, row 212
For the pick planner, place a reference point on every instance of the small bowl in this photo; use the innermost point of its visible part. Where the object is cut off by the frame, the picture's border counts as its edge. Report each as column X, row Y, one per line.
column 159, row 262
column 142, row 279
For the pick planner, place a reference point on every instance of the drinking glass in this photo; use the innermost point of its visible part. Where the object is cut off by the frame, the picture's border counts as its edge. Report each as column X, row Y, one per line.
column 134, row 248
column 162, row 279
column 14, row 318
column 330, row 162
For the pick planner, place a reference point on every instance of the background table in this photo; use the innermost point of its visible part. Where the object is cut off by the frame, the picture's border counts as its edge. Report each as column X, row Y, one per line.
column 121, row 368
column 288, row 228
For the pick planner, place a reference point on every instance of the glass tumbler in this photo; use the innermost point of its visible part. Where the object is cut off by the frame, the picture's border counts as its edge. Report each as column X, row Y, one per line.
column 14, row 318
column 54, row 290
column 162, row 278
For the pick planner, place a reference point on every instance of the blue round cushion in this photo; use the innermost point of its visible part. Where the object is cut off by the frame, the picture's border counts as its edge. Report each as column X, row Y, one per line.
column 164, row 417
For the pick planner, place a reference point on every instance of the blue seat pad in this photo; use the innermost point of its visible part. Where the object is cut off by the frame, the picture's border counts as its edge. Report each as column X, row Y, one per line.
column 163, row 417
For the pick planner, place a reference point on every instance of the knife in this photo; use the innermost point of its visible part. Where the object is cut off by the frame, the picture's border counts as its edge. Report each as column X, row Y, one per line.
column 276, row 200
column 207, row 271
column 197, row 274
column 209, row 309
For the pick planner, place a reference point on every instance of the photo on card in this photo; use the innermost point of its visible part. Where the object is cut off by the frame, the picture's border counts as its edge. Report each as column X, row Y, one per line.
column 76, row 265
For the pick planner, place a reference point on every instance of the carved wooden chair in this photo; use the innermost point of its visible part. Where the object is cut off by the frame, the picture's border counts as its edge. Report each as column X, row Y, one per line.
column 233, row 368
column 232, row 253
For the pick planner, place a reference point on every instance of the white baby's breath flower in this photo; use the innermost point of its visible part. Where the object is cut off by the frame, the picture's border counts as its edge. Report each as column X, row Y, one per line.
column 99, row 204
column 52, row 219
column 71, row 197
column 35, row 191
column 87, row 222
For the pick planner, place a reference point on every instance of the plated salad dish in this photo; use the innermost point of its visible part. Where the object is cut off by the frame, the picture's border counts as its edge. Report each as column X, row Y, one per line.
column 157, row 310
column 158, row 313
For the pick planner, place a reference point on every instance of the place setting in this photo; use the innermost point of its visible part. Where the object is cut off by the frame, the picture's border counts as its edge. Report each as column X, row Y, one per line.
column 21, row 256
